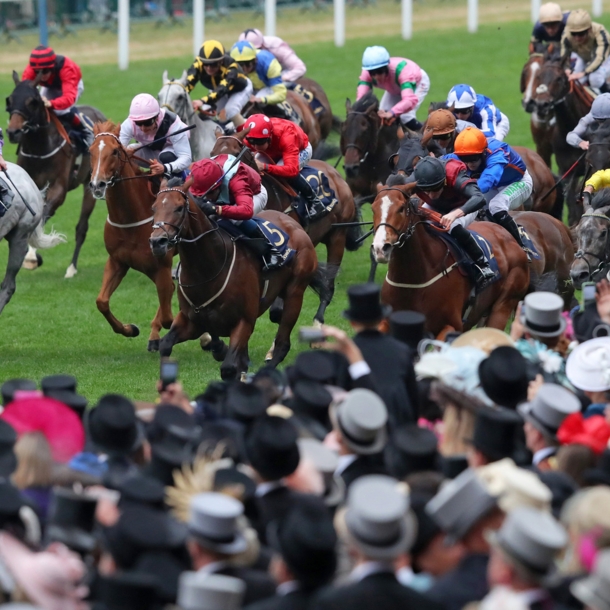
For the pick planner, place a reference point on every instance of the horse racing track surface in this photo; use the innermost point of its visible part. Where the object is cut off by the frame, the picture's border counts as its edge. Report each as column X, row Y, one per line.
column 52, row 324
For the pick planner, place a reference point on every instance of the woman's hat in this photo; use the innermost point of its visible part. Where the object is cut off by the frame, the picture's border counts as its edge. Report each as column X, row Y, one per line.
column 588, row 366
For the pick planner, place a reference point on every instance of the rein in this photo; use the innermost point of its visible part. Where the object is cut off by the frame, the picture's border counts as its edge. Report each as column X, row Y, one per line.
column 51, row 120
column 364, row 154
column 124, row 158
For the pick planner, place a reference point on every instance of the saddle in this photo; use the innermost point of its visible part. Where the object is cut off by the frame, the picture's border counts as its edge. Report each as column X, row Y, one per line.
column 314, row 103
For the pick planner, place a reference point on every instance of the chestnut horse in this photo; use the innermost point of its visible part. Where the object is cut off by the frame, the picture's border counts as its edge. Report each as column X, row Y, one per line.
column 117, row 178
column 336, row 239
column 222, row 290
column 422, row 272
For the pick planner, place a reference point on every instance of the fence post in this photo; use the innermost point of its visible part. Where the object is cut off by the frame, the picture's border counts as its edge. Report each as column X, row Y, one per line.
column 123, row 27
column 42, row 22
column 198, row 25
column 473, row 16
column 598, row 8
column 270, row 10
column 535, row 10
column 339, row 14
column 407, row 19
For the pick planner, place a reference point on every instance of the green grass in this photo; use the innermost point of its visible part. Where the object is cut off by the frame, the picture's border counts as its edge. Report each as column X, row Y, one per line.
column 52, row 325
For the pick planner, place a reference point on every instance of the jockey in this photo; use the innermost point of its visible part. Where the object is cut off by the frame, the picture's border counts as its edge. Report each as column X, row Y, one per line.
column 501, row 175
column 148, row 122
column 288, row 148
column 549, row 27
column 404, row 82
column 224, row 188
column 442, row 128
column 445, row 187
column 600, row 111
column 599, row 180
column 61, row 85
column 467, row 105
column 229, row 89
column 292, row 66
column 590, row 42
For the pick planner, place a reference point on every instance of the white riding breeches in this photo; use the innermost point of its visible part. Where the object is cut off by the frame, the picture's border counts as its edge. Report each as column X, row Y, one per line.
column 502, row 127
column 260, row 201
column 509, row 197
column 464, row 221
column 389, row 100
column 304, row 157
column 51, row 94
column 596, row 79
column 234, row 103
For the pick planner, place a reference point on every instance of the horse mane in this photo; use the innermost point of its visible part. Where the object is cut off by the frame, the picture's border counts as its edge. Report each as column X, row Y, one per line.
column 366, row 102
column 107, row 127
column 397, row 180
column 601, row 199
column 174, row 182
column 437, row 106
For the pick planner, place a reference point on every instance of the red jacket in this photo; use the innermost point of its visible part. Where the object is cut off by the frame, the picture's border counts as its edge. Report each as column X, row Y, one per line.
column 64, row 79
column 287, row 142
column 242, row 187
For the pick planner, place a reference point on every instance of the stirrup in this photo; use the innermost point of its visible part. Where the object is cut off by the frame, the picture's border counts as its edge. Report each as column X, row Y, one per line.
column 485, row 274
column 272, row 261
column 527, row 253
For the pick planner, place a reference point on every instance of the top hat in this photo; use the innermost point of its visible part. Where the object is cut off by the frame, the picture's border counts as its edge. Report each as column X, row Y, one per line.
column 378, row 519
column 63, row 389
column 542, row 314
column 126, row 591
column 587, row 365
column 137, row 489
column 9, row 387
column 427, row 529
column 113, row 426
column 365, row 304
column 503, row 376
column 169, row 418
column 411, row 449
column 361, row 418
column 495, row 432
column 213, row 523
column 314, row 365
column 594, row 590
column 310, row 397
column 245, row 402
column 200, row 591
column 552, row 404
column 325, row 461
column 8, row 459
column 232, row 476
column 408, row 327
column 271, row 447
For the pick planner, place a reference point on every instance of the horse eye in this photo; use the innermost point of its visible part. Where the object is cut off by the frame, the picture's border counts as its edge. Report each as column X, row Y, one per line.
column 115, row 152
column 180, row 208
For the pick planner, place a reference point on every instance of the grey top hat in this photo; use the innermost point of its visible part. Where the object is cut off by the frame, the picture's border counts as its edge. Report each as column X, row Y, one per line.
column 532, row 538
column 542, row 314
column 459, row 504
column 200, row 591
column 550, row 407
column 326, row 461
column 594, row 590
column 213, row 523
column 378, row 518
column 361, row 419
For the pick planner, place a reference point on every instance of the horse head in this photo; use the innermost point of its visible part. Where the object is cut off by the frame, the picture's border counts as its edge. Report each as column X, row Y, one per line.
column 528, row 78
column 393, row 213
column 25, row 107
column 598, row 154
column 359, row 132
column 174, row 97
column 233, row 145
column 108, row 158
column 550, row 85
column 592, row 235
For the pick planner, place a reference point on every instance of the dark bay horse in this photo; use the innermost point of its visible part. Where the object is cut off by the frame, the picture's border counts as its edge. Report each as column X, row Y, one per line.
column 117, row 178
column 45, row 153
column 325, row 118
column 598, row 153
column 422, row 273
column 222, row 290
column 336, row 239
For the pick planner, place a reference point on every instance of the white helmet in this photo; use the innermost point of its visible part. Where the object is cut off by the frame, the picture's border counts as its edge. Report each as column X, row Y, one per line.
column 600, row 109
column 550, row 13
column 374, row 58
column 461, row 96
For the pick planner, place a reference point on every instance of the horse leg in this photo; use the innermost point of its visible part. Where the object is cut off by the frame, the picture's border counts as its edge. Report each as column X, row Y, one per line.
column 574, row 209
column 292, row 308
column 373, row 270
column 82, row 227
column 182, row 330
column 236, row 361
column 114, row 272
column 275, row 311
column 335, row 247
column 18, row 246
column 507, row 302
column 32, row 259
column 164, row 317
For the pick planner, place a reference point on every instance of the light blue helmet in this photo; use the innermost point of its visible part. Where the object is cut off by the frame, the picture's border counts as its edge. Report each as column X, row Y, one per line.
column 375, row 57
column 461, row 96
column 600, row 109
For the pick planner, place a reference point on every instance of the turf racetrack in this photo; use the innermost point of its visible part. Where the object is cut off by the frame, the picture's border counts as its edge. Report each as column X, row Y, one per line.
column 52, row 324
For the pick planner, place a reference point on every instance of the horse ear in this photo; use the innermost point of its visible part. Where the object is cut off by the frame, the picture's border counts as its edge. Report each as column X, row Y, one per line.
column 400, row 133
column 37, row 79
column 163, row 183
column 408, row 188
column 183, row 77
column 16, row 78
column 164, row 78
column 348, row 105
column 380, row 186
column 187, row 185
column 243, row 133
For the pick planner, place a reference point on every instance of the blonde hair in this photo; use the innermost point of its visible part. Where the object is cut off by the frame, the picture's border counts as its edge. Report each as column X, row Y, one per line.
column 34, row 461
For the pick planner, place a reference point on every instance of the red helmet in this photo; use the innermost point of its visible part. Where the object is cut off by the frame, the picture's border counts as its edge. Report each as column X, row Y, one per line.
column 205, row 173
column 42, row 58
column 260, row 126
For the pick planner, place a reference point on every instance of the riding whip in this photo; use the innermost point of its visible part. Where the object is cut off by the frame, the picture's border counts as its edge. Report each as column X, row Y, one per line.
column 572, row 167
column 169, row 135
column 27, row 205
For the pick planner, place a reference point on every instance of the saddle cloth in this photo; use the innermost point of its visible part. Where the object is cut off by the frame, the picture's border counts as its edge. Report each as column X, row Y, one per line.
column 314, row 103
column 319, row 183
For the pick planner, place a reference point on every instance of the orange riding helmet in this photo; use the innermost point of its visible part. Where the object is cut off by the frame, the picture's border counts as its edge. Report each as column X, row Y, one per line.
column 471, row 141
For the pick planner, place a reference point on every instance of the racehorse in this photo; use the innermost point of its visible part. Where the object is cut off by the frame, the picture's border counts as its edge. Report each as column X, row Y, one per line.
column 174, row 97
column 222, row 289
column 19, row 226
column 422, row 272
column 568, row 101
column 45, row 153
column 325, row 118
column 598, row 153
column 117, row 178
column 336, row 239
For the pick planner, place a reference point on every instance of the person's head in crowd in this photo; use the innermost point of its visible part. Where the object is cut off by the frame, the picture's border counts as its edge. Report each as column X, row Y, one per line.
column 34, row 474
column 141, row 490
column 504, row 378
column 562, row 489
column 63, row 389
column 9, row 387
column 313, row 365
column 409, row 327
column 587, row 369
column 325, row 462
column 542, row 319
column 425, row 483
column 311, row 401
column 127, row 591
column 411, row 449
column 599, row 474
column 245, row 402
column 575, row 459
column 593, row 591
column 197, row 591
column 365, row 310
column 272, row 382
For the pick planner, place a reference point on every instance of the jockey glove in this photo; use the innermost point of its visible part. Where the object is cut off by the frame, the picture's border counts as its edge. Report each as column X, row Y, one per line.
column 206, row 207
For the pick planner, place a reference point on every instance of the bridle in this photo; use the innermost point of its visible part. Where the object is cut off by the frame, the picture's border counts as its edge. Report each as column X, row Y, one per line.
column 185, row 98
column 373, row 140
column 124, row 158
column 604, row 260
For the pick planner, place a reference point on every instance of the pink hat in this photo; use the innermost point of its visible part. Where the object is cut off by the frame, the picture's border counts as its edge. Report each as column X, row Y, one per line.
column 59, row 424
column 253, row 36
column 50, row 579
column 143, row 106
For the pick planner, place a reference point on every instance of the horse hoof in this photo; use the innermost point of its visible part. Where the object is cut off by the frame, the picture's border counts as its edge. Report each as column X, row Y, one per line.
column 71, row 271
column 275, row 315
column 219, row 353
column 228, row 373
column 153, row 345
column 135, row 331
column 269, row 356
column 206, row 342
column 317, row 323
column 30, row 264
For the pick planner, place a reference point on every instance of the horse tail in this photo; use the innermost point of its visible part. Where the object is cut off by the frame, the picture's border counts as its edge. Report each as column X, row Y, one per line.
column 40, row 239
column 353, row 239
column 325, row 151
column 337, row 124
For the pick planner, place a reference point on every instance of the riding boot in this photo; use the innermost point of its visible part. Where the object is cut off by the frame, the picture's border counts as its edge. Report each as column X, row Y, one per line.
column 272, row 259
column 467, row 241
column 504, row 219
column 315, row 207
column 414, row 125
column 78, row 130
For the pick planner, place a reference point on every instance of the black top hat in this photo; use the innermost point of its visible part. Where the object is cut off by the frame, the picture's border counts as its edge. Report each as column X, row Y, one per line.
column 245, row 402
column 427, row 528
column 310, row 397
column 113, row 425
column 271, row 447
column 495, row 432
column 63, row 389
column 412, row 449
column 139, row 490
column 453, row 465
column 222, row 433
column 504, row 377
column 8, row 388
column 600, row 475
column 408, row 327
column 314, row 365
column 272, row 382
column 365, row 304
column 177, row 446
column 127, row 591
column 8, row 459
column 168, row 417
column 72, row 519
column 166, row 568
column 227, row 477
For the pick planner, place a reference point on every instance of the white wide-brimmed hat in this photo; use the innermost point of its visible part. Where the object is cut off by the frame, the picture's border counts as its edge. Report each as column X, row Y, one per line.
column 588, row 366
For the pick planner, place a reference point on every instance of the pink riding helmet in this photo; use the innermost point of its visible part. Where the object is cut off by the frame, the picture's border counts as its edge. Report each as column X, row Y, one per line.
column 143, row 106
column 253, row 36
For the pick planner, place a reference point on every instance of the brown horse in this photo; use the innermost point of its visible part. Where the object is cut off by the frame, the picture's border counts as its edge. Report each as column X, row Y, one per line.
column 280, row 197
column 117, row 178
column 46, row 154
column 422, row 272
column 325, row 118
column 222, row 289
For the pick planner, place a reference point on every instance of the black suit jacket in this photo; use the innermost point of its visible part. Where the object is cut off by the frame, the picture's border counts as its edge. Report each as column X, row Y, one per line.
column 362, row 466
column 259, row 585
column 380, row 591
column 391, row 363
column 295, row 600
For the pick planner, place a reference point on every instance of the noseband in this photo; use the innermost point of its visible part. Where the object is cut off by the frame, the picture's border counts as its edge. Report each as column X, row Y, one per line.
column 402, row 236
column 169, row 106
column 363, row 154
column 604, row 260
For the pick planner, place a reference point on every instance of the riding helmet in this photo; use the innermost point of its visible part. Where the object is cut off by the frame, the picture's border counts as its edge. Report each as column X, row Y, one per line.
column 429, row 173
column 579, row 20
column 550, row 13
column 374, row 58
column 471, row 141
column 211, row 52
column 253, row 36
column 42, row 58
column 260, row 126
column 243, row 51
column 461, row 96
column 441, row 122
column 143, row 107
column 600, row 109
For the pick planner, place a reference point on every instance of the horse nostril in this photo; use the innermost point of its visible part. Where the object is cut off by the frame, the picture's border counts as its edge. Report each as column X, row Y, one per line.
column 386, row 249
